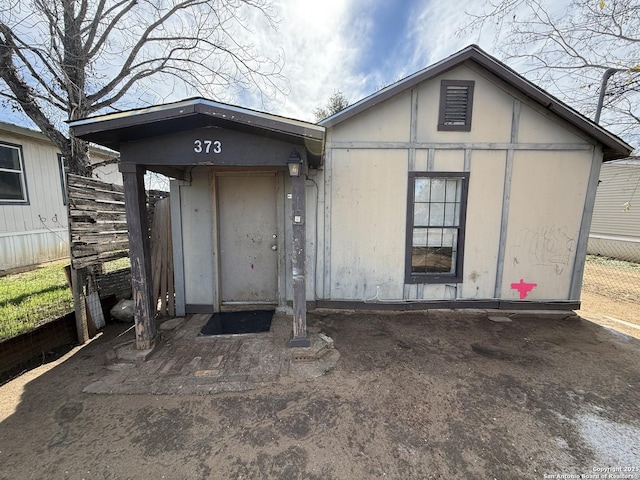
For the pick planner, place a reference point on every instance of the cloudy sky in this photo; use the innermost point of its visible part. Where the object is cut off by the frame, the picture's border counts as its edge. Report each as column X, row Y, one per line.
column 360, row 46
column 352, row 46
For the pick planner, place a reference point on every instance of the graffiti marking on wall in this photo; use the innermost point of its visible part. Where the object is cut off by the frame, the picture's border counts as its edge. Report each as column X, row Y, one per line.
column 523, row 288
column 549, row 246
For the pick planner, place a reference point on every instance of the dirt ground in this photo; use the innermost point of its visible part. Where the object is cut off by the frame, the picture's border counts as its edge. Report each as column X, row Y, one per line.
column 414, row 396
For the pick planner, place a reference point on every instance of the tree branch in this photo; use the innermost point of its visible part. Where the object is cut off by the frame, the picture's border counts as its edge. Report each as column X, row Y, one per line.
column 23, row 92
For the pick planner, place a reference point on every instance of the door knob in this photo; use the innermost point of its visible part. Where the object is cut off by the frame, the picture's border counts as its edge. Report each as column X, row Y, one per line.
column 274, row 247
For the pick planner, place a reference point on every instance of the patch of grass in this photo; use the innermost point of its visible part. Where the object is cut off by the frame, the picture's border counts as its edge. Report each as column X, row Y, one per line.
column 119, row 264
column 31, row 298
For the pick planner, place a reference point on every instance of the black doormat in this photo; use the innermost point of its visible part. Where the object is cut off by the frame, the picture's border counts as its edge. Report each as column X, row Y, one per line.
column 224, row 323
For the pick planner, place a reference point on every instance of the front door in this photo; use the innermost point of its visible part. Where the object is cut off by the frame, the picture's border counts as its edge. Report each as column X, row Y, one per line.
column 247, row 235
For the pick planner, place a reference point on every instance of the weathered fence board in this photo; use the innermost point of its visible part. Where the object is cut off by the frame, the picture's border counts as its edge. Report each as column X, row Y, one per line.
column 97, row 221
column 99, row 233
column 162, row 259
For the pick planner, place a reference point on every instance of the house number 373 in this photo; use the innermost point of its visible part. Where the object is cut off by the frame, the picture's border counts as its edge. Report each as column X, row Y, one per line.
column 207, row 146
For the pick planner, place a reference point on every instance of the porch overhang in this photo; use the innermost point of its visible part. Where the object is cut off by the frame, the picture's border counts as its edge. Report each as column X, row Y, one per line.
column 165, row 135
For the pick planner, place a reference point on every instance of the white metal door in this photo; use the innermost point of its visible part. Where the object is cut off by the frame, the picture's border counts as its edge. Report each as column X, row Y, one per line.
column 248, row 238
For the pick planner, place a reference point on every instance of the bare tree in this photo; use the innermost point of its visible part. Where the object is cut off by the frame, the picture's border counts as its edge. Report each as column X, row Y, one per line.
column 69, row 59
column 568, row 47
column 336, row 103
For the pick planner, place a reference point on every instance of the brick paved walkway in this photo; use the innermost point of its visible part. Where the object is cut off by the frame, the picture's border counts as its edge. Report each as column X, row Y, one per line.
column 185, row 363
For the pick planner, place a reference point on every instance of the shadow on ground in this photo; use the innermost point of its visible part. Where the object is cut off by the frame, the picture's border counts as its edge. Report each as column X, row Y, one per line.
column 414, row 395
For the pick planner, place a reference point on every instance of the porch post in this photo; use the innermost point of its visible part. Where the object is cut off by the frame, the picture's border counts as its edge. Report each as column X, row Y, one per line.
column 140, row 254
column 298, row 213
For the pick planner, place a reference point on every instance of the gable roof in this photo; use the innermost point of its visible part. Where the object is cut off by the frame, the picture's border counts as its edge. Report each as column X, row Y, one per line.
column 113, row 129
column 614, row 147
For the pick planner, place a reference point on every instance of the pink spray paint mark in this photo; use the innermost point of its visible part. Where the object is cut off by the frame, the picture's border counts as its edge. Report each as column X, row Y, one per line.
column 523, row 288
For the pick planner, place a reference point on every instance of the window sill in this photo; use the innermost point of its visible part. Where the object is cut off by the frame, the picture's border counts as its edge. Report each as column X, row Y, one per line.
column 435, row 278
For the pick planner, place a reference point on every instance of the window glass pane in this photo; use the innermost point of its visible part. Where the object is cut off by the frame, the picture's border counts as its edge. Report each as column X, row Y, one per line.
column 422, row 189
column 419, row 237
column 453, row 192
column 432, row 260
column 437, row 189
column 418, row 259
column 436, row 217
column 440, row 260
column 9, row 158
column 450, row 218
column 421, row 214
column 449, row 237
column 434, row 237
column 10, row 186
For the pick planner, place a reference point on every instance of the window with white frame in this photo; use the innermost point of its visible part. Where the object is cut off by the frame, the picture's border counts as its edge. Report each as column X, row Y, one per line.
column 435, row 226
column 13, row 186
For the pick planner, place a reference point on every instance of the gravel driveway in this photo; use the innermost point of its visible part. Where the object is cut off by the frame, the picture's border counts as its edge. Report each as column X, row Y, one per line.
column 414, row 395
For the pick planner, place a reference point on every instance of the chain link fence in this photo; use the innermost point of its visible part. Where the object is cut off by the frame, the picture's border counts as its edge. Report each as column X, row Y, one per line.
column 611, row 284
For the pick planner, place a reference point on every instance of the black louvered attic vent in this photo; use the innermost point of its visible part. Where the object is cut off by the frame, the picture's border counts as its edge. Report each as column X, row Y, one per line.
column 457, row 97
column 456, row 102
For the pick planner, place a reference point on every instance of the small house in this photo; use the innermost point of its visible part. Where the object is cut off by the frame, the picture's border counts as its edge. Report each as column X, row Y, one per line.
column 461, row 186
column 33, row 212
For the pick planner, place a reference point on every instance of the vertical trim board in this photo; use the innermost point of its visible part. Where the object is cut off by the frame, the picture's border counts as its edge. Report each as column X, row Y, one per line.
column 280, row 241
column 328, row 192
column 413, row 129
column 506, row 198
column 585, row 225
column 178, row 248
column 215, row 240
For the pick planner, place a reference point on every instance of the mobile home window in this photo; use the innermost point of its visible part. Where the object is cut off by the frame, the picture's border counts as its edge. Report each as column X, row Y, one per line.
column 13, row 188
column 435, row 227
column 456, row 105
column 63, row 167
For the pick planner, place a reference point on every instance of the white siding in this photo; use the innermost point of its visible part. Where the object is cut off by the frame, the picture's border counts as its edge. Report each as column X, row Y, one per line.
column 619, row 184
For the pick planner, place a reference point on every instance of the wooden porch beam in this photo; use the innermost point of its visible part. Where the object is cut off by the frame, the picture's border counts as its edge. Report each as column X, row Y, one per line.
column 140, row 254
column 298, row 214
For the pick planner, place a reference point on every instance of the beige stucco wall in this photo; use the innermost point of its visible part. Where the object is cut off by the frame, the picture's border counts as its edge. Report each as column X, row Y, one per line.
column 368, row 126
column 547, row 196
column 484, row 215
column 369, row 157
column 544, row 128
column 368, row 204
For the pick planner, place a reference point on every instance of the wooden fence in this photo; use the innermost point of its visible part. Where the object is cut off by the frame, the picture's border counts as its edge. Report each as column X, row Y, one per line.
column 97, row 222
column 98, row 233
